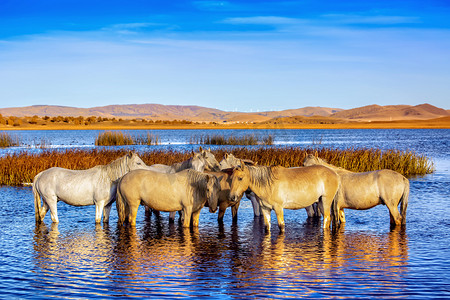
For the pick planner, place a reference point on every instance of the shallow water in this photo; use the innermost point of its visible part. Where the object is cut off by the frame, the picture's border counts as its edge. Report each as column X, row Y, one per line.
column 365, row 259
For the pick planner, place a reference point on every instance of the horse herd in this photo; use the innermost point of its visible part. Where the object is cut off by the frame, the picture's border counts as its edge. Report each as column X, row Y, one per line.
column 321, row 188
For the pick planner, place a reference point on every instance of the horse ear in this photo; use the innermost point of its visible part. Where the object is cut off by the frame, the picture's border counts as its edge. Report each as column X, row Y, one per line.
column 316, row 154
column 130, row 154
column 200, row 149
column 243, row 166
column 209, row 149
column 226, row 155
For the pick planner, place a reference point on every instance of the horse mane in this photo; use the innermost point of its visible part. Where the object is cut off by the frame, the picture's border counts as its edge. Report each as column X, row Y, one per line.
column 323, row 162
column 198, row 182
column 261, row 176
column 116, row 169
column 179, row 166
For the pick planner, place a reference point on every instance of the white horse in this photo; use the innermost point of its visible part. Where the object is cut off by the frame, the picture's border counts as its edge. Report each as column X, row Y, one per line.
column 200, row 161
column 94, row 186
column 368, row 189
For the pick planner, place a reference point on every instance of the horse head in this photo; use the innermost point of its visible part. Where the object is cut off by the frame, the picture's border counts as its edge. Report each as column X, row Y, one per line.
column 311, row 160
column 211, row 163
column 212, row 192
column 240, row 181
column 134, row 161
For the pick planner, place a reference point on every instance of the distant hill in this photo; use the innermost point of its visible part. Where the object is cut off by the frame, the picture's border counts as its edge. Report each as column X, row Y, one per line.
column 163, row 112
column 392, row 112
column 205, row 114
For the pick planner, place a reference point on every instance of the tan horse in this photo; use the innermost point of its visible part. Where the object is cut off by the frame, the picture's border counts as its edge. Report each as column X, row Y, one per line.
column 278, row 188
column 368, row 189
column 230, row 161
column 186, row 190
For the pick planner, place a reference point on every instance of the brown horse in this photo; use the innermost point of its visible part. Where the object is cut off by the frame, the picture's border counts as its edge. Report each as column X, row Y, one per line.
column 278, row 188
column 368, row 189
column 186, row 190
column 224, row 200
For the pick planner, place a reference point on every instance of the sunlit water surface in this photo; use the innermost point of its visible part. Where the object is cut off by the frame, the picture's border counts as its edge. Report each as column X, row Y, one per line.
column 365, row 259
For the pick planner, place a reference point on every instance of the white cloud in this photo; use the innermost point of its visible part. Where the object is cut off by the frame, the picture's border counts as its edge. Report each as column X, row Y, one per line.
column 371, row 19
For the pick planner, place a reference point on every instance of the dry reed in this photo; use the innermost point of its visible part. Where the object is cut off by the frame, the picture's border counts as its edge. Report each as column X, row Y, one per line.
column 113, row 138
column 6, row 140
column 246, row 140
column 19, row 168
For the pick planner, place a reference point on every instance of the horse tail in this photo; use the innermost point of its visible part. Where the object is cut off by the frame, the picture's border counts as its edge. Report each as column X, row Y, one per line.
column 37, row 199
column 120, row 204
column 404, row 200
column 335, row 208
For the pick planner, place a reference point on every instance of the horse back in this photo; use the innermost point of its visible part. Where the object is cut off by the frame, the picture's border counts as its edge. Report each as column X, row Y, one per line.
column 159, row 191
column 303, row 186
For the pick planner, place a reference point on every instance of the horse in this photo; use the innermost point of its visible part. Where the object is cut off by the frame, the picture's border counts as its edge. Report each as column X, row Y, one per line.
column 224, row 200
column 94, row 186
column 368, row 189
column 189, row 190
column 230, row 161
column 200, row 161
column 278, row 188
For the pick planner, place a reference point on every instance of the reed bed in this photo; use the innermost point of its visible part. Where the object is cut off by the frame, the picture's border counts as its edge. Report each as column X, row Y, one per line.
column 19, row 168
column 6, row 140
column 113, row 138
column 246, row 140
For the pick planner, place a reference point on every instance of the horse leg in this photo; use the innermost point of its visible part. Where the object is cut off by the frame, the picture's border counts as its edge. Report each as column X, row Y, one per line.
column 187, row 212
column 44, row 210
column 310, row 211
column 52, row 205
column 341, row 215
column 280, row 216
column 325, row 208
column 266, row 213
column 222, row 209
column 98, row 211
column 195, row 218
column 396, row 218
column 148, row 212
column 256, row 207
column 172, row 215
column 133, row 209
column 106, row 212
column 234, row 210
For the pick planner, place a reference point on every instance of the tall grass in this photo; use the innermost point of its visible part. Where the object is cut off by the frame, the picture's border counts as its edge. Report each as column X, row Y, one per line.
column 114, row 138
column 246, row 140
column 7, row 140
column 19, row 168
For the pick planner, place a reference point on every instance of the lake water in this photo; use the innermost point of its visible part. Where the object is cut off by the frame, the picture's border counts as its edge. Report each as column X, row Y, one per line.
column 365, row 259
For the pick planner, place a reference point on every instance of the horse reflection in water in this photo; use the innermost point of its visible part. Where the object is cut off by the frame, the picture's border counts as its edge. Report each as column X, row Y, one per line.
column 72, row 252
column 159, row 257
column 155, row 258
column 311, row 257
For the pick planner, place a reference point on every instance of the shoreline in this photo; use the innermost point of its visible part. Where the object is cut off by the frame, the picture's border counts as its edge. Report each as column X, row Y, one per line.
column 441, row 123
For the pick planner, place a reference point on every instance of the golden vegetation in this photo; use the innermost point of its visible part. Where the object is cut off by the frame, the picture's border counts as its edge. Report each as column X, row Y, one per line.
column 19, row 168
column 246, row 140
column 113, row 138
column 6, row 140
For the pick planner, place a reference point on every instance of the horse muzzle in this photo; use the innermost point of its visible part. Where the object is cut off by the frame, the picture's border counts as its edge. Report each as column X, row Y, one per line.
column 234, row 198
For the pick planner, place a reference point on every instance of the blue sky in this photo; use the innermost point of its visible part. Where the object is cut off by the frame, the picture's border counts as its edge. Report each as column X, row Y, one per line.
column 230, row 55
